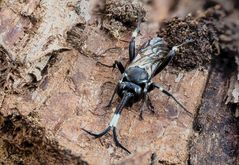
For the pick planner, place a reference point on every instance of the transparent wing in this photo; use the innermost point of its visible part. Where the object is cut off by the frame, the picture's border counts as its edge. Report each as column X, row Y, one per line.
column 151, row 55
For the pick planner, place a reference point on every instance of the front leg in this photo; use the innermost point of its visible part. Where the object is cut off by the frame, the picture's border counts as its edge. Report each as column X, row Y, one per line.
column 112, row 97
column 149, row 104
column 142, row 108
column 146, row 102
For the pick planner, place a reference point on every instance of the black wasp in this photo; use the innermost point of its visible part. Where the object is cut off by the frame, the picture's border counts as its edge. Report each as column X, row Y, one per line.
column 136, row 81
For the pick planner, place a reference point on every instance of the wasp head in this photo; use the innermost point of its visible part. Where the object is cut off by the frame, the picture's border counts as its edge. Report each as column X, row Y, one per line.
column 129, row 87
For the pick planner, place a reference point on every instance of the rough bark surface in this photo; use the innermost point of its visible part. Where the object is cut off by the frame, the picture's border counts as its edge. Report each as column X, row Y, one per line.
column 215, row 124
column 51, row 85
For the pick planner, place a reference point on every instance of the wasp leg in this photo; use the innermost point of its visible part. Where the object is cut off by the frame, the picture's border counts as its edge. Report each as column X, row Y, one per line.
column 132, row 49
column 117, row 143
column 154, row 85
column 142, row 107
column 170, row 56
column 98, row 135
column 150, row 105
column 141, row 112
column 116, row 64
column 146, row 101
column 132, row 52
column 167, row 60
column 112, row 97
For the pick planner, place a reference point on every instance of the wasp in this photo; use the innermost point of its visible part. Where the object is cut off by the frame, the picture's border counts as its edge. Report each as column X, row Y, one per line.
column 136, row 80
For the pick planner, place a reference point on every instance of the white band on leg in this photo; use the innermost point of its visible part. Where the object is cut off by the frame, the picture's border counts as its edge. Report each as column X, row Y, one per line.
column 161, row 88
column 135, row 33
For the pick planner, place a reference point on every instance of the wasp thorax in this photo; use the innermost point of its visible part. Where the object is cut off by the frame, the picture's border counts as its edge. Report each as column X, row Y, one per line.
column 136, row 75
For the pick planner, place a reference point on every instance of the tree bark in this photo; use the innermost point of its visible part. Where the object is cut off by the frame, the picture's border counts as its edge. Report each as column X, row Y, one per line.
column 51, row 85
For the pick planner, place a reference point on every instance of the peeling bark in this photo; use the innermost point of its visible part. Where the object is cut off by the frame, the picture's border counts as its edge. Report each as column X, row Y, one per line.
column 51, row 85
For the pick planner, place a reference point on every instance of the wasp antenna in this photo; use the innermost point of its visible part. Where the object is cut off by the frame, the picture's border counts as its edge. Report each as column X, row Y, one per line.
column 114, row 121
column 123, row 102
column 116, row 117
column 117, row 143
column 119, row 108
column 97, row 135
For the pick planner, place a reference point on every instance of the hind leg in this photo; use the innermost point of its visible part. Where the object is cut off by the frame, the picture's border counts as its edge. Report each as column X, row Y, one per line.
column 132, row 49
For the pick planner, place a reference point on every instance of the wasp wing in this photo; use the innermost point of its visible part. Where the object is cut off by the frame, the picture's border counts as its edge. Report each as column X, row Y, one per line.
column 152, row 56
